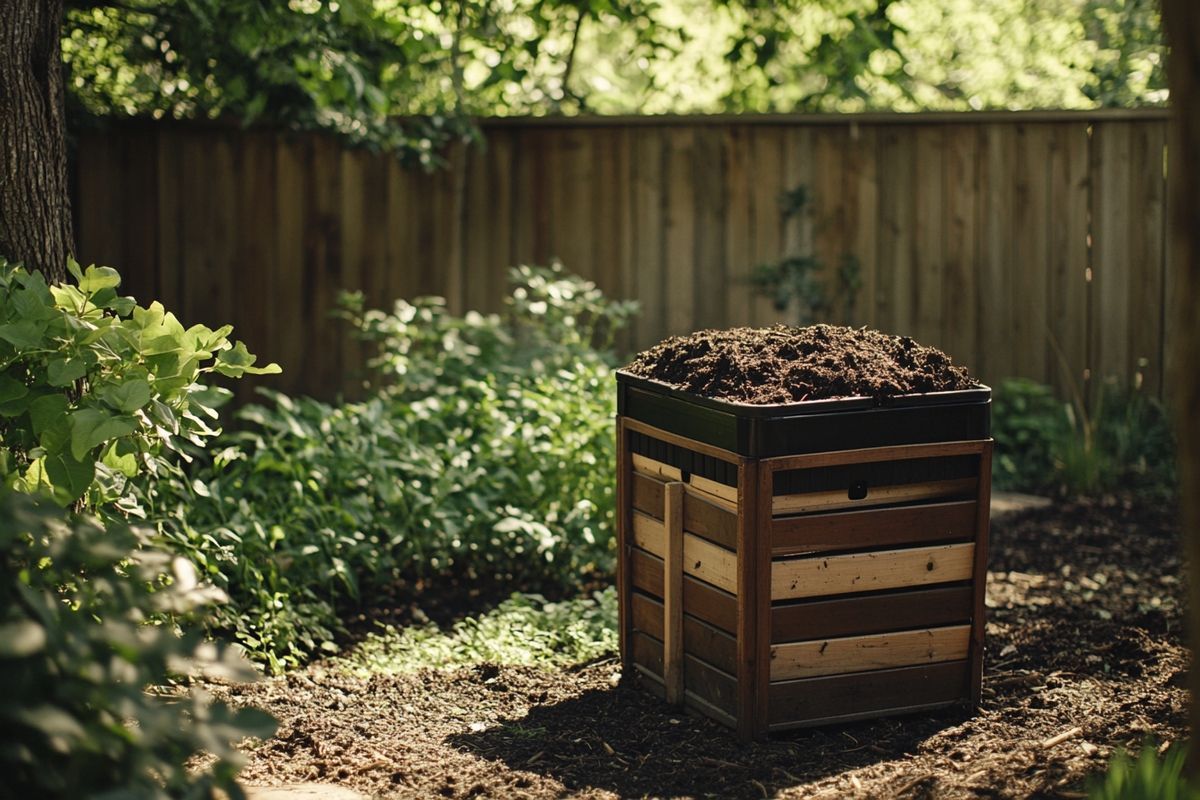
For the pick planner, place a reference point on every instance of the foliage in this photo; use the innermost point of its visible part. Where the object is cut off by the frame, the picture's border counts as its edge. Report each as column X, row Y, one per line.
column 524, row 630
column 1149, row 778
column 77, row 656
column 485, row 451
column 1122, row 439
column 410, row 75
column 96, row 390
column 798, row 279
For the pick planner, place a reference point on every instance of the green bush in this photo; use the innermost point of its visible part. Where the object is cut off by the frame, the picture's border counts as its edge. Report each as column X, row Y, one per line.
column 484, row 451
column 1123, row 441
column 77, row 655
column 96, row 390
column 1149, row 778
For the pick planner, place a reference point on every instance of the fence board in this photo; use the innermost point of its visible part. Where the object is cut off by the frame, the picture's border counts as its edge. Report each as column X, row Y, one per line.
column 970, row 232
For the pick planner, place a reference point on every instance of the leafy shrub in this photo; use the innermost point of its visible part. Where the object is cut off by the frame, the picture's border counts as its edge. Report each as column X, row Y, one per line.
column 77, row 655
column 1124, row 441
column 1149, row 778
column 524, row 630
column 485, row 450
column 96, row 390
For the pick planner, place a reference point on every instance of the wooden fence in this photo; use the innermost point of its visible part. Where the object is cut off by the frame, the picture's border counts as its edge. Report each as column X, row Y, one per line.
column 1022, row 243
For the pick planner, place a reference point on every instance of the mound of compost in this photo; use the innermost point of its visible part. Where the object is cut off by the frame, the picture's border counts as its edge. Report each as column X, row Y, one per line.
column 784, row 364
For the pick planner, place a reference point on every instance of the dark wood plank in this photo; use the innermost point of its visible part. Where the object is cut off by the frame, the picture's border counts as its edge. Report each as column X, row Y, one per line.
column 868, row 692
column 979, row 618
column 683, row 441
column 710, row 604
column 700, row 639
column 673, row 593
column 747, row 584
column 872, row 528
column 709, row 521
column 646, row 573
column 625, row 563
column 875, row 613
column 647, row 652
column 710, row 684
column 869, row 455
column 647, row 614
column 648, row 495
column 761, row 557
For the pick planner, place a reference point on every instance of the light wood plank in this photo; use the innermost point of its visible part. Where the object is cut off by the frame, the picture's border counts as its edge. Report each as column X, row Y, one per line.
column 655, row 469
column 865, row 572
column 876, row 495
column 701, row 559
column 863, row 653
column 871, row 455
column 711, row 487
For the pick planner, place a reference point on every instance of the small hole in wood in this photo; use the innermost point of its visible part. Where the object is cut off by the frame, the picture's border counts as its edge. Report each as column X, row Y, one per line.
column 858, row 490
column 929, row 566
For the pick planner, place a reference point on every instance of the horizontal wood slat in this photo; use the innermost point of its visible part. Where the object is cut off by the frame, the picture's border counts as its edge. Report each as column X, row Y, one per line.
column 682, row 441
column 647, row 614
column 873, row 613
column 647, row 652
column 872, row 455
column 701, row 515
column 850, row 654
column 701, row 559
column 866, row 572
column 710, row 684
column 813, row 700
column 880, row 527
column 700, row 639
column 720, row 490
column 655, row 469
column 876, row 495
column 702, row 600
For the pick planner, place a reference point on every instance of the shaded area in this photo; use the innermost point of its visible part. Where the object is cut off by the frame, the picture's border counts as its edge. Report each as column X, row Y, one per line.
column 1084, row 640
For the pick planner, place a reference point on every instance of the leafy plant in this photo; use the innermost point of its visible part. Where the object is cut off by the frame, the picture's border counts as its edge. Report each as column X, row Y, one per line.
column 96, row 390
column 485, row 451
column 1149, row 778
column 1027, row 422
column 523, row 630
column 77, row 656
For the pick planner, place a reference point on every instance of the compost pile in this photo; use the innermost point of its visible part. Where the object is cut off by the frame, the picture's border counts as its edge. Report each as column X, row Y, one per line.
column 784, row 364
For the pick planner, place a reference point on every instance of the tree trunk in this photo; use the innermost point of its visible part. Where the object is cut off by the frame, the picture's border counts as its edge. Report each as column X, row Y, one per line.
column 35, row 208
column 1181, row 20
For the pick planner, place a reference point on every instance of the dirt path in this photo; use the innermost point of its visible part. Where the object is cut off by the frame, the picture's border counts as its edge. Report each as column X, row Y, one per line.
column 1084, row 633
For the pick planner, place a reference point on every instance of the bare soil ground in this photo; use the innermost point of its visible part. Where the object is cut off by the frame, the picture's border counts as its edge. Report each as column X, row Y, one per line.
column 1084, row 648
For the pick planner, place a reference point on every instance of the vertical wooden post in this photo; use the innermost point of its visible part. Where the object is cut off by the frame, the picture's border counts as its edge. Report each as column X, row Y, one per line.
column 624, row 579
column 673, row 592
column 747, row 607
column 761, row 558
column 979, row 616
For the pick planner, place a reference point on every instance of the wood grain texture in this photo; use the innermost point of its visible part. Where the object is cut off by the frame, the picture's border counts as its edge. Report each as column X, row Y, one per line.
column 710, row 684
column 625, row 563
column 809, row 659
column 655, row 469
column 872, row 455
column 718, row 490
column 700, row 639
column 673, row 592
column 701, row 559
column 683, row 441
column 701, row 516
column 872, row 613
column 843, row 697
column 748, row 653
column 979, row 577
column 881, row 527
column 874, row 571
column 810, row 502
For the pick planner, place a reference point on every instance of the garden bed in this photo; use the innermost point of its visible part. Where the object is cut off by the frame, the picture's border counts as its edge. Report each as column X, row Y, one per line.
column 1084, row 633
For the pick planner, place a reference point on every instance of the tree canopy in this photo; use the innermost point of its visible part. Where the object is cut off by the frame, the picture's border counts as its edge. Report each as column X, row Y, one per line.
column 355, row 66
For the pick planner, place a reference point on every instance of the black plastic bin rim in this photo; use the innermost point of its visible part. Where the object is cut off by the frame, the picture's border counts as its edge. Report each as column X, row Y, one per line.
column 980, row 394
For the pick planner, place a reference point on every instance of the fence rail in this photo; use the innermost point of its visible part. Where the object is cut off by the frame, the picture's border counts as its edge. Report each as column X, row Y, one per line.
column 1022, row 244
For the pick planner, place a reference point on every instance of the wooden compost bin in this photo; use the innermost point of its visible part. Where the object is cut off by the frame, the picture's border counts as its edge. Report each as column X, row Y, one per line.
column 803, row 564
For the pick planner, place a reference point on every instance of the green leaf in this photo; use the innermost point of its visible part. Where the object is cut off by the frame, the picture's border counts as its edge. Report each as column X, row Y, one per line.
column 125, row 463
column 238, row 361
column 21, row 639
column 65, row 371
column 48, row 411
column 96, row 278
column 128, row 396
column 91, row 427
column 24, row 335
column 11, row 389
column 70, row 475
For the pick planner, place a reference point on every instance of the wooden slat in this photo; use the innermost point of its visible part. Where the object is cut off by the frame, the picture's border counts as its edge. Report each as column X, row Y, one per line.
column 706, row 708
column 646, row 572
column 679, row 256
column 701, row 516
column 648, row 236
column 1068, row 288
column 647, row 652
column 711, row 684
column 882, row 527
column 872, row 455
column 873, row 571
column 876, row 495
column 700, row 639
column 719, row 490
column 960, row 223
column 812, row 658
column 626, row 561
column 816, row 700
column 710, row 604
column 655, row 469
column 673, row 592
column 1033, row 217
column 996, row 305
column 1111, row 265
column 758, row 485
column 648, row 495
column 748, row 651
column 647, row 614
column 683, row 441
column 872, row 613
column 979, row 576
column 929, row 238
column 701, row 559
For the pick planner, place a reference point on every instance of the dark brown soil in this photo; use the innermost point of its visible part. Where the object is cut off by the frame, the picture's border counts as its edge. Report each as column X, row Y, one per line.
column 784, row 364
column 1084, row 632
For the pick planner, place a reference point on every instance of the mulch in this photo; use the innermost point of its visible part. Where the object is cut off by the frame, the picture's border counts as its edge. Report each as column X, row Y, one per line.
column 1085, row 646
column 784, row 364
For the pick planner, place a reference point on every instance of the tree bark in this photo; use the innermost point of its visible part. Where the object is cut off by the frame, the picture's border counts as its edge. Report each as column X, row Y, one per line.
column 1181, row 20
column 35, row 207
